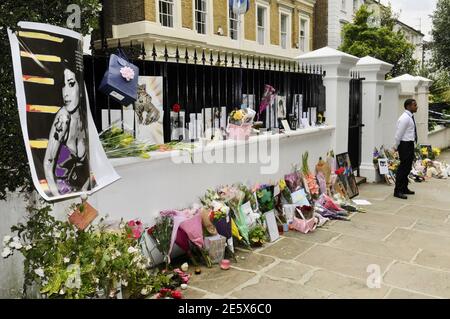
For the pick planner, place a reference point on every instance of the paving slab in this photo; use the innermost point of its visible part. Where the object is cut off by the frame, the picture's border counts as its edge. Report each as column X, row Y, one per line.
column 385, row 219
column 277, row 289
column 418, row 239
column 289, row 270
column 433, row 227
column 220, row 281
column 363, row 229
column 343, row 261
column 419, row 279
column 251, row 261
column 404, row 294
column 286, row 248
column 320, row 235
column 424, row 212
column 345, row 287
column 434, row 260
column 374, row 247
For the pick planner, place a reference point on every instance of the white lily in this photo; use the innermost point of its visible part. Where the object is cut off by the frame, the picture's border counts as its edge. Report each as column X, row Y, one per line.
column 144, row 291
column 66, row 260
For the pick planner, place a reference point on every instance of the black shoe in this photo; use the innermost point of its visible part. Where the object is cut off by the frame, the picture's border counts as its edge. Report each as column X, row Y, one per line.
column 400, row 195
column 409, row 192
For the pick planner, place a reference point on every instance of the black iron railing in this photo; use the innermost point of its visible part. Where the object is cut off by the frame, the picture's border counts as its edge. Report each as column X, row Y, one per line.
column 206, row 79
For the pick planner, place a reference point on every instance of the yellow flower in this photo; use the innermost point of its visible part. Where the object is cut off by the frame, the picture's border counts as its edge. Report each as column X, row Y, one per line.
column 424, row 151
column 282, row 184
column 238, row 115
column 436, row 151
column 144, row 155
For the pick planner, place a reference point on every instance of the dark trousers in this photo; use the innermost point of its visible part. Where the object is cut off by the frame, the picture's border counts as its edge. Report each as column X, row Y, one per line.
column 406, row 153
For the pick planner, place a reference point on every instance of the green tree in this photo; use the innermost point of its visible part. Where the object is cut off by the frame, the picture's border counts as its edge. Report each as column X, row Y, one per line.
column 440, row 88
column 14, row 171
column 441, row 34
column 379, row 40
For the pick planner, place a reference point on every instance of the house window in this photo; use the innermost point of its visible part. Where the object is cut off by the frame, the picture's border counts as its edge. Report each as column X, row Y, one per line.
column 261, row 17
column 233, row 17
column 303, row 34
column 166, row 13
column 200, row 16
column 284, row 22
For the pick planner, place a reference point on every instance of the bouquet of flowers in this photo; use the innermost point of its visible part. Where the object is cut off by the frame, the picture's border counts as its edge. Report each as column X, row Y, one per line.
column 162, row 233
column 293, row 180
column 267, row 98
column 258, row 235
column 304, row 220
column 310, row 179
column 323, row 173
column 119, row 143
column 264, row 195
column 240, row 123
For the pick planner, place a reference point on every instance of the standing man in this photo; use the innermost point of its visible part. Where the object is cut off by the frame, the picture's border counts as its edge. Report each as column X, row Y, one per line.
column 405, row 138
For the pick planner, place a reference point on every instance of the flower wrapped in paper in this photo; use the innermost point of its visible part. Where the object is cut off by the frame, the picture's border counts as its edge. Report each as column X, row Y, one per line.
column 304, row 220
column 293, row 180
column 309, row 178
column 220, row 218
column 240, row 123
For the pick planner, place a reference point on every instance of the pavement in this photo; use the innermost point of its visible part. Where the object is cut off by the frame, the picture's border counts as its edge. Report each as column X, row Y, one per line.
column 398, row 249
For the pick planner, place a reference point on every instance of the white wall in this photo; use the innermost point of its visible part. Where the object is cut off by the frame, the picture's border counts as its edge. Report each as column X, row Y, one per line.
column 149, row 186
column 439, row 138
column 390, row 110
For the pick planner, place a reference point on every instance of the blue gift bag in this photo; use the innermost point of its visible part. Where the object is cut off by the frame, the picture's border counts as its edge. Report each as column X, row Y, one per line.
column 121, row 79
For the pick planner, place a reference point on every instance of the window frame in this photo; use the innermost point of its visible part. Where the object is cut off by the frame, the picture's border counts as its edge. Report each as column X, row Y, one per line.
column 173, row 3
column 306, row 32
column 288, row 32
column 229, row 18
column 206, row 17
column 266, row 23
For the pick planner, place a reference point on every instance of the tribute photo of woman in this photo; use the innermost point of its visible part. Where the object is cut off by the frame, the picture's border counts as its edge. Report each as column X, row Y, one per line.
column 53, row 109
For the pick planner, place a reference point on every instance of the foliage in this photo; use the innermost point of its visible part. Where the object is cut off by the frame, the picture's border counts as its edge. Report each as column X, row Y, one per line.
column 162, row 233
column 14, row 171
column 362, row 38
column 265, row 198
column 441, row 35
column 258, row 235
column 67, row 263
column 440, row 88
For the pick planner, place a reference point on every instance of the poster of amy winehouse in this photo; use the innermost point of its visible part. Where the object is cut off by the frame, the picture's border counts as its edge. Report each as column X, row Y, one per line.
column 54, row 113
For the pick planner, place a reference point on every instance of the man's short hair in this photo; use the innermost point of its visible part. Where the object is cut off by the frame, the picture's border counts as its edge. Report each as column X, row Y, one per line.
column 409, row 102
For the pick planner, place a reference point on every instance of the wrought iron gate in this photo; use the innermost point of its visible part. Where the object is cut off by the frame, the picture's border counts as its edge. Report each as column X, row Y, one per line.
column 355, row 121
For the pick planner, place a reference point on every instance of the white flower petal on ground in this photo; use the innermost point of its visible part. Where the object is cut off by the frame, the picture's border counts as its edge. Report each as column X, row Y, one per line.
column 6, row 252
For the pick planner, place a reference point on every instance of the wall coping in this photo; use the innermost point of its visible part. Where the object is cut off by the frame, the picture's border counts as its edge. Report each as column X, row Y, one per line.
column 214, row 145
column 439, row 130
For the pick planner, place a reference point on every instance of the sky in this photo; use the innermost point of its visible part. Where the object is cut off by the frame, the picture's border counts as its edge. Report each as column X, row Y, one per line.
column 415, row 13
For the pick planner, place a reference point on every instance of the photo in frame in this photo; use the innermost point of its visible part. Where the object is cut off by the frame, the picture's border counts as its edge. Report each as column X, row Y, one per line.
column 248, row 101
column 348, row 179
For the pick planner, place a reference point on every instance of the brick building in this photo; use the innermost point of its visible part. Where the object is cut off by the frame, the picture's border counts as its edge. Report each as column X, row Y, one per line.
column 272, row 28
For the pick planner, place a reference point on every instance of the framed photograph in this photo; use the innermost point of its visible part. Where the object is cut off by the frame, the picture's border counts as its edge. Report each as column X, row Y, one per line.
column 220, row 120
column 177, row 126
column 383, row 166
column 149, row 110
column 272, row 115
column 349, row 180
column 281, row 106
column 297, row 107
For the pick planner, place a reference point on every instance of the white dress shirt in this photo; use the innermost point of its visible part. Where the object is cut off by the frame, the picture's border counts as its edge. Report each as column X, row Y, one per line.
column 406, row 129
